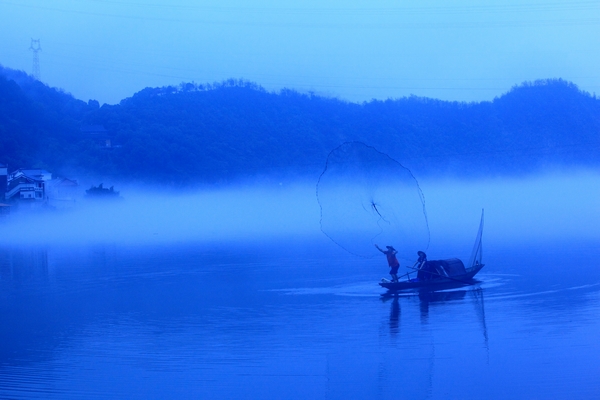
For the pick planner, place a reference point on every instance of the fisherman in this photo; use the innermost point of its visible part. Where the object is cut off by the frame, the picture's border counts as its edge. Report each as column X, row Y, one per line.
column 420, row 265
column 428, row 270
column 392, row 261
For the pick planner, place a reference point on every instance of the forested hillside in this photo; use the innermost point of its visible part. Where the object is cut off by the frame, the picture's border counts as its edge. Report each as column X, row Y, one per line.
column 195, row 134
column 39, row 126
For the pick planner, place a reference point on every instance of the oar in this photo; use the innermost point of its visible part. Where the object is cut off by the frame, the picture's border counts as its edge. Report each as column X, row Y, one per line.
column 443, row 276
column 406, row 274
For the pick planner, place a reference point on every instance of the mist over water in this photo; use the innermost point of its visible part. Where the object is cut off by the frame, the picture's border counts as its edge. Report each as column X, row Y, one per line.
column 236, row 293
column 537, row 209
column 557, row 206
column 233, row 214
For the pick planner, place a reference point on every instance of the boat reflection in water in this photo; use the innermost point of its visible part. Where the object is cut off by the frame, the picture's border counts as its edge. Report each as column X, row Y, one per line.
column 395, row 316
column 427, row 299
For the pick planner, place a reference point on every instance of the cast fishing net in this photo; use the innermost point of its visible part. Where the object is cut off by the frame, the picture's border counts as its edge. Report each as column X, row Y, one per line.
column 368, row 198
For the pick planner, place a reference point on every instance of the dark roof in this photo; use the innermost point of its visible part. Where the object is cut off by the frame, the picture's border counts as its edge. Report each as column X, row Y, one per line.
column 63, row 182
column 23, row 178
column 34, row 173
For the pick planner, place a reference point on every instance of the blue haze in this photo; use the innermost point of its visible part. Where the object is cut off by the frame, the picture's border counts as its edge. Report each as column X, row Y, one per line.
column 235, row 292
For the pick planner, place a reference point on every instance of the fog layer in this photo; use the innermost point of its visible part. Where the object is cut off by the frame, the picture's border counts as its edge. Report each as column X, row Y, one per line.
column 548, row 207
column 552, row 207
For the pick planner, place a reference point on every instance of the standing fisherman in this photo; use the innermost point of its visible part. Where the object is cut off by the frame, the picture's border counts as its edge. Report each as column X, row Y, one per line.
column 392, row 261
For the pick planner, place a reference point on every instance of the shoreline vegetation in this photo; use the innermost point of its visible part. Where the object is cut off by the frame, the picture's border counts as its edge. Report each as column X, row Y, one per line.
column 192, row 135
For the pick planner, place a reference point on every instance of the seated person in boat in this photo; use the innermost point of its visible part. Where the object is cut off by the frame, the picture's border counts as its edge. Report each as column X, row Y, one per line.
column 426, row 270
column 429, row 270
column 421, row 260
column 392, row 261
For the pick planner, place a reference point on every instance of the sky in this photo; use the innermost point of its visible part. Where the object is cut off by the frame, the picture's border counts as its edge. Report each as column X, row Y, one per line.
column 355, row 50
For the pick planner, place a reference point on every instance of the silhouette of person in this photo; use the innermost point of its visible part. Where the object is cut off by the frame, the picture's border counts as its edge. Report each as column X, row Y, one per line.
column 420, row 265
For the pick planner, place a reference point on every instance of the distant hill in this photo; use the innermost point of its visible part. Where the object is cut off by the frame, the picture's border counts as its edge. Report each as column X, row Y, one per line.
column 39, row 125
column 194, row 134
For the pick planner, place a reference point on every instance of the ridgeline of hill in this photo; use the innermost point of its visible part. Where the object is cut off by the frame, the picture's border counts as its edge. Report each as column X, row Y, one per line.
column 196, row 134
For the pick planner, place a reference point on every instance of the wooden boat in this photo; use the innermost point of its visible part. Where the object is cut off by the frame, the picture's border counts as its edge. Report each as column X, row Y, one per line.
column 440, row 274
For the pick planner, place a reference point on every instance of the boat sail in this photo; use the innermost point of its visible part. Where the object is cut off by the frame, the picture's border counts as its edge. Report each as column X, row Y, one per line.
column 476, row 254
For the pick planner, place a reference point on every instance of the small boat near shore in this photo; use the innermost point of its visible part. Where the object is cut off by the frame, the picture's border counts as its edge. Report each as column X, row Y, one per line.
column 439, row 274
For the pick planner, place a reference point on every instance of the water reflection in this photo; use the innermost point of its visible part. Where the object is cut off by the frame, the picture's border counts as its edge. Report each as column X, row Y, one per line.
column 427, row 299
column 395, row 316
column 477, row 297
column 23, row 264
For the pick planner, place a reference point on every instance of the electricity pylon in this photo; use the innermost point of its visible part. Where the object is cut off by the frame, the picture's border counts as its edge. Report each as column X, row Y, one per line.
column 36, row 48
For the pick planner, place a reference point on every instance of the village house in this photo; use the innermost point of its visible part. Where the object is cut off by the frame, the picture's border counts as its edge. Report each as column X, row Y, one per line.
column 27, row 185
column 35, row 187
column 62, row 192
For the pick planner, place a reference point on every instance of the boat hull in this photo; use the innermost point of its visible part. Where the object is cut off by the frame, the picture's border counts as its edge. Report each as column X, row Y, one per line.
column 435, row 284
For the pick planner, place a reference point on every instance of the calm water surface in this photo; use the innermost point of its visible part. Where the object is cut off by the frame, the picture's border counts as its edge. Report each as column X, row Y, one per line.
column 293, row 321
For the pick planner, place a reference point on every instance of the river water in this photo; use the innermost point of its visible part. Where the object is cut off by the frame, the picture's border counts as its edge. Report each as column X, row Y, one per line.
column 294, row 319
